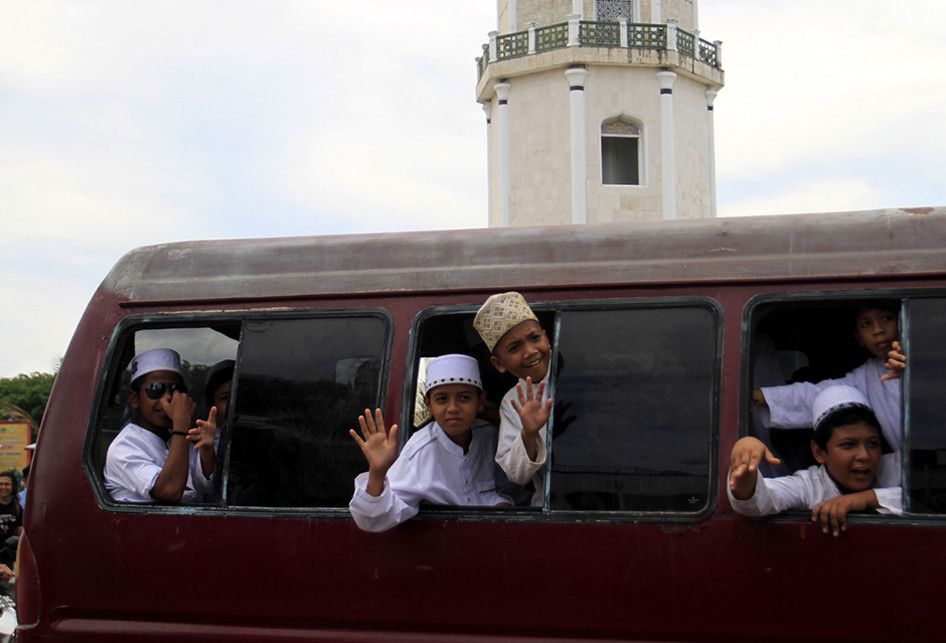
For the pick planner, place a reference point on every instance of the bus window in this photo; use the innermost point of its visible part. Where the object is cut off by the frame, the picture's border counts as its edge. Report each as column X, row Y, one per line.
column 635, row 409
column 808, row 344
column 301, row 385
column 200, row 347
column 926, row 418
column 634, row 414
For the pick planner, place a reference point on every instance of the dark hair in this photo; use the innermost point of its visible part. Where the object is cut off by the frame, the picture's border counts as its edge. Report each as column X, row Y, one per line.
column 843, row 417
column 887, row 305
column 218, row 374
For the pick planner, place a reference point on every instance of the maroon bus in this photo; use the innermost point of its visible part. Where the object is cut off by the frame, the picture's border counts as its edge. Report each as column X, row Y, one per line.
column 660, row 331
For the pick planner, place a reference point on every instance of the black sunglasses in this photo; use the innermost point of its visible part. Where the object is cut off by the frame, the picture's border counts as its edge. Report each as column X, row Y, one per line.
column 155, row 390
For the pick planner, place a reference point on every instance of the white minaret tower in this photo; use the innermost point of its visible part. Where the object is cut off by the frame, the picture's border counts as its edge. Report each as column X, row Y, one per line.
column 599, row 110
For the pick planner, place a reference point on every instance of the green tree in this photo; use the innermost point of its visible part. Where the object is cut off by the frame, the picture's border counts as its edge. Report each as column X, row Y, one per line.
column 26, row 392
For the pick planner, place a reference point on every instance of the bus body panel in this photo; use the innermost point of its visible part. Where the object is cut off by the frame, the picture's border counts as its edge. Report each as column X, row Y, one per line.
column 110, row 572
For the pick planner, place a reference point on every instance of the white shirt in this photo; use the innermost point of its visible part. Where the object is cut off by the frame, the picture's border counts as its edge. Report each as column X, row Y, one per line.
column 134, row 462
column 790, row 408
column 431, row 467
column 804, row 490
column 511, row 454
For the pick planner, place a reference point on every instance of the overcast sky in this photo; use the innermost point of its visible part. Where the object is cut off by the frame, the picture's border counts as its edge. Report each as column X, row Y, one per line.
column 125, row 123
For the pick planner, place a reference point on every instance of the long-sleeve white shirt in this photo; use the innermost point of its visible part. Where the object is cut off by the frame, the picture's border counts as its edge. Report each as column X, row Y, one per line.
column 804, row 489
column 511, row 454
column 134, row 461
column 790, row 405
column 790, row 408
column 431, row 467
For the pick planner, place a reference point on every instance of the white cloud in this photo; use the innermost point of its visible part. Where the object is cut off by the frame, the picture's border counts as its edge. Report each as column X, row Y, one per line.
column 818, row 195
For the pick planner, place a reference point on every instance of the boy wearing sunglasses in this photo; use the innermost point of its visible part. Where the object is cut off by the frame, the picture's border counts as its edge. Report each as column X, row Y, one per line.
column 159, row 457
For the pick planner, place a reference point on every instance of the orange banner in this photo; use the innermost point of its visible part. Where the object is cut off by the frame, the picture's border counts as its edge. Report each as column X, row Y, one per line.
column 14, row 437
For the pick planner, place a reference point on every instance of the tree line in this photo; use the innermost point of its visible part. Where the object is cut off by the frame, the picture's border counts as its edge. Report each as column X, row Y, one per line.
column 25, row 395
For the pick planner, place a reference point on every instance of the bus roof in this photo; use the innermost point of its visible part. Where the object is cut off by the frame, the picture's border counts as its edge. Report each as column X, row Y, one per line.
column 809, row 246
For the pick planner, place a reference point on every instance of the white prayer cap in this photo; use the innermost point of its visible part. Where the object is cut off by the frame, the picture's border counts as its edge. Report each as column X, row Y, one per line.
column 453, row 368
column 157, row 359
column 835, row 398
column 500, row 314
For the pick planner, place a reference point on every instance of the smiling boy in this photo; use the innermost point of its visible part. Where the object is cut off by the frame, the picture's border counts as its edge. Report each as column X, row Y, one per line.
column 847, row 445
column 448, row 462
column 876, row 328
column 519, row 345
column 152, row 458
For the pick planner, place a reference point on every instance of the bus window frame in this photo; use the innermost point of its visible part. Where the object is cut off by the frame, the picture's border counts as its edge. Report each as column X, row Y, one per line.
column 544, row 514
column 838, row 297
column 119, row 339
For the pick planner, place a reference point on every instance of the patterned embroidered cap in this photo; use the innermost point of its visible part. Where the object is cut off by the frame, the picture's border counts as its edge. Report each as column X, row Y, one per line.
column 453, row 368
column 500, row 314
column 157, row 359
column 835, row 398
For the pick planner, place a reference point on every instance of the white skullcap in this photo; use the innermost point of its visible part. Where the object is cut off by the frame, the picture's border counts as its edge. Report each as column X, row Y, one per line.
column 453, row 369
column 835, row 398
column 157, row 359
column 500, row 314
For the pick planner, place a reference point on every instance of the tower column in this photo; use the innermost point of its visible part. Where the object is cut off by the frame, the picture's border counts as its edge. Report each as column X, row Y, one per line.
column 579, row 142
column 502, row 102
column 487, row 109
column 655, row 12
column 511, row 17
column 667, row 160
column 711, row 154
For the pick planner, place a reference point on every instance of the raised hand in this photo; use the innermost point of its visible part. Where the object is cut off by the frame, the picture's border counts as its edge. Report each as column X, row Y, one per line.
column 744, row 461
column 180, row 409
column 533, row 412
column 378, row 447
column 204, row 434
column 896, row 362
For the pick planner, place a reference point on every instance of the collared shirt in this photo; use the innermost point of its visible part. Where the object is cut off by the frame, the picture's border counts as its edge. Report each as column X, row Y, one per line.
column 134, row 462
column 511, row 454
column 431, row 468
column 804, row 490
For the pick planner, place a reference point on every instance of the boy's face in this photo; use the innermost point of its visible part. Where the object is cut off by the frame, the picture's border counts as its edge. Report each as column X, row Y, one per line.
column 221, row 400
column 523, row 351
column 151, row 413
column 876, row 329
column 852, row 455
column 454, row 407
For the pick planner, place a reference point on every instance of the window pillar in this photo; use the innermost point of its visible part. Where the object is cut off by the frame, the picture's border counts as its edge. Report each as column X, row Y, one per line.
column 711, row 159
column 487, row 109
column 502, row 101
column 579, row 143
column 655, row 12
column 512, row 18
column 667, row 161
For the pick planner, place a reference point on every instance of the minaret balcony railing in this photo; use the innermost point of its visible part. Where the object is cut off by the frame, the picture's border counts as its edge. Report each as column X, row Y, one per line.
column 593, row 33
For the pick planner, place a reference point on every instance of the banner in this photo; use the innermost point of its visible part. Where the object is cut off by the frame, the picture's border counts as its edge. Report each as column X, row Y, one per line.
column 14, row 438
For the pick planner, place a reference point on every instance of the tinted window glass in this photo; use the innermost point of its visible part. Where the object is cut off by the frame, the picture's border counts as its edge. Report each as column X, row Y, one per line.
column 927, row 413
column 301, row 384
column 634, row 409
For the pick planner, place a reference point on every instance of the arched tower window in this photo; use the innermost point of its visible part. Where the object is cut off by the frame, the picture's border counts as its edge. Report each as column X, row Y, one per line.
column 620, row 152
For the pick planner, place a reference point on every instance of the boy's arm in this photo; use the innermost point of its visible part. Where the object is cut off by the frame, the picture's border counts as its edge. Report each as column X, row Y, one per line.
column 896, row 362
column 378, row 447
column 832, row 514
column 744, row 461
column 203, row 437
column 171, row 482
column 533, row 414
column 511, row 454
